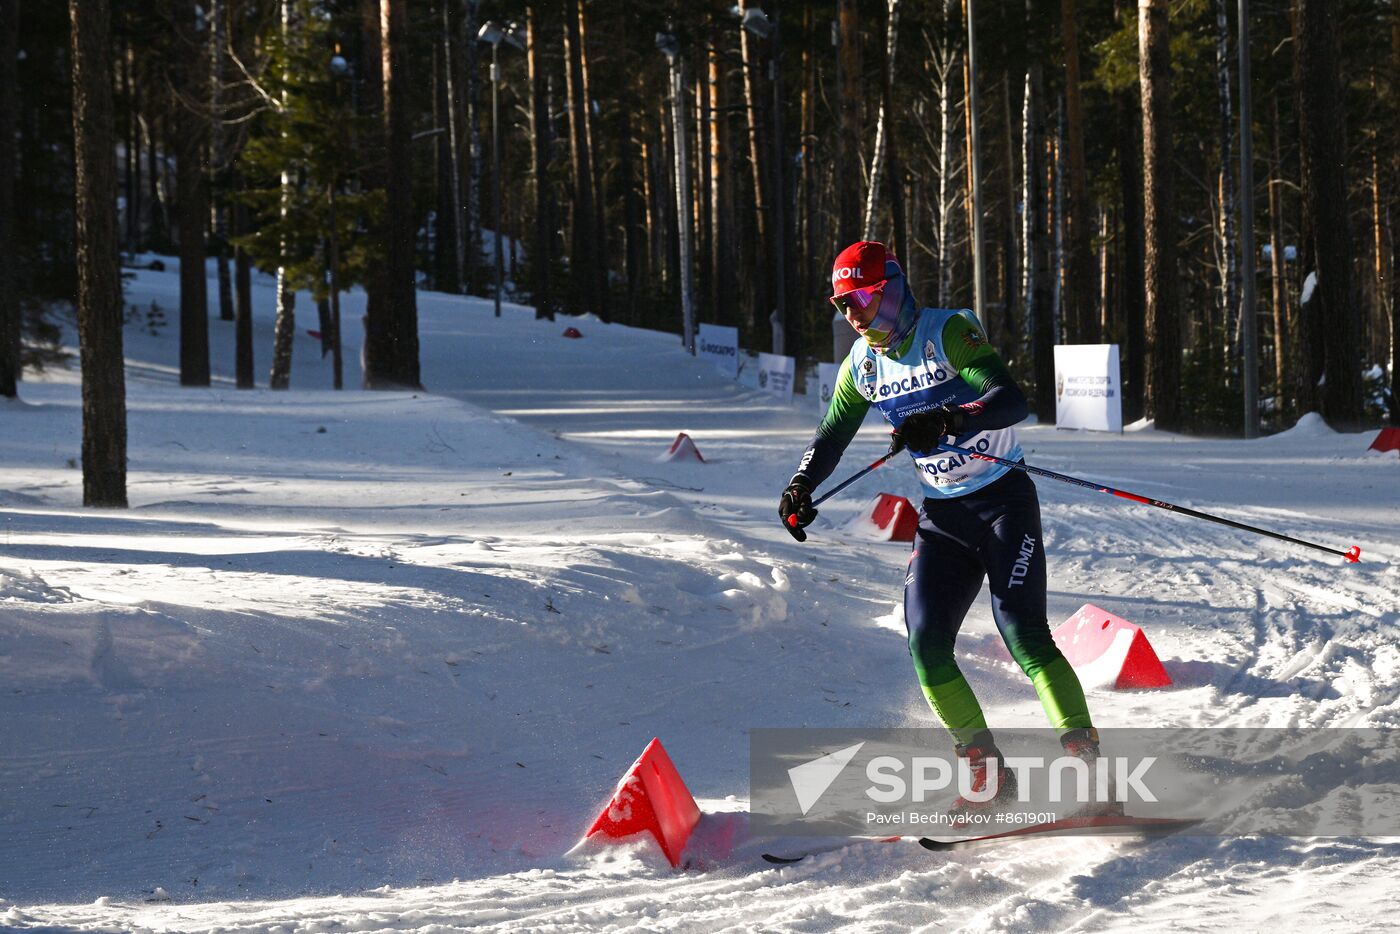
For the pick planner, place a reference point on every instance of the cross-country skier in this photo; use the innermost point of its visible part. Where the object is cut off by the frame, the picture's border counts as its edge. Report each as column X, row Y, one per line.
column 932, row 374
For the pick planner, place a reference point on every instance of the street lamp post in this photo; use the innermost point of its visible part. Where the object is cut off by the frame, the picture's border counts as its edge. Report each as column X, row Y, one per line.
column 494, row 34
column 757, row 22
column 340, row 68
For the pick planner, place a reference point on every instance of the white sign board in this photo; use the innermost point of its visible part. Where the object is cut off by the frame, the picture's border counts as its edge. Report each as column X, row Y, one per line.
column 827, row 374
column 1088, row 392
column 775, row 374
column 720, row 346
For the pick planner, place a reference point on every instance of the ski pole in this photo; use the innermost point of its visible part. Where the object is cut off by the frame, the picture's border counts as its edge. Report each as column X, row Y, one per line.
column 851, row 479
column 1352, row 554
column 792, row 519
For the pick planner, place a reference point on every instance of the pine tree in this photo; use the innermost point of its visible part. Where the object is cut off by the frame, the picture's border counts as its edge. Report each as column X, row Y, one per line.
column 307, row 136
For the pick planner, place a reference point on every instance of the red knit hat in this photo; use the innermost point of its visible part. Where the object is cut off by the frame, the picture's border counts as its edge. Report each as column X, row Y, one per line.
column 859, row 266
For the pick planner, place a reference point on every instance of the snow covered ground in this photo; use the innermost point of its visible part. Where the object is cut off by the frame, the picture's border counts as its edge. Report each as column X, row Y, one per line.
column 372, row 661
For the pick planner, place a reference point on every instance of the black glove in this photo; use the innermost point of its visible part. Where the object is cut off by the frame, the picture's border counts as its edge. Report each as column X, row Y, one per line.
column 923, row 430
column 795, row 509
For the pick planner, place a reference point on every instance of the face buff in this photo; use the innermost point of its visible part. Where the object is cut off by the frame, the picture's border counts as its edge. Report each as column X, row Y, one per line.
column 894, row 319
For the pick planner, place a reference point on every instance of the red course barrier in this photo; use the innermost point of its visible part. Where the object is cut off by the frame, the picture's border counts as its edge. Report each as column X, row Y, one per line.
column 682, row 449
column 651, row 798
column 1109, row 651
column 1388, row 439
column 888, row 518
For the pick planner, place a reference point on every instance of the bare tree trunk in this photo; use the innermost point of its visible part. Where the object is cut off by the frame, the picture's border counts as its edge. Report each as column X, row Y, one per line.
column 1036, row 263
column 130, row 183
column 899, row 217
column 1011, row 278
column 218, row 154
column 810, row 265
column 971, row 180
column 651, row 216
column 542, row 150
column 1394, row 325
column 1132, row 274
column 1394, row 236
column 684, row 219
column 391, row 344
column 721, row 231
column 583, row 258
column 1379, row 321
column 192, row 194
column 1159, row 272
column 704, row 193
column 599, row 268
column 749, row 54
column 1307, row 359
column 1229, row 271
column 787, row 334
column 241, row 39
column 99, row 280
column 10, row 368
column 138, row 203
column 1056, row 160
column 946, row 196
column 761, row 294
column 1322, row 128
column 1105, row 325
column 848, row 123
column 1278, row 275
column 1077, row 301
column 469, row 140
column 284, row 327
column 634, row 238
column 243, row 306
column 446, row 254
column 370, row 76
column 882, row 130
column 452, row 75
column 668, row 243
column 157, row 237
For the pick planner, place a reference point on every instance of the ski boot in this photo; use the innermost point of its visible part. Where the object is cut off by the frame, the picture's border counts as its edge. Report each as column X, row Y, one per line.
column 1083, row 744
column 977, row 752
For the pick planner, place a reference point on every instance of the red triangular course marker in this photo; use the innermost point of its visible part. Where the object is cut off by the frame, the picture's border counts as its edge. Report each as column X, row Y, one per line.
column 682, row 449
column 887, row 518
column 1387, row 439
column 1109, row 651
column 651, row 798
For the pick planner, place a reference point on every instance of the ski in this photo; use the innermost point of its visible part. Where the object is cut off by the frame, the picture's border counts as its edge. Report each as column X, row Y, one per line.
column 1103, row 824
column 799, row 857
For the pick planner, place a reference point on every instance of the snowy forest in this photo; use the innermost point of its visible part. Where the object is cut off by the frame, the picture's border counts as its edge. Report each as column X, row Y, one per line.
column 381, row 144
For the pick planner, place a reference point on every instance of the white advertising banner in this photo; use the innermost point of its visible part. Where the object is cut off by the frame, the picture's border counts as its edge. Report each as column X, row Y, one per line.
column 826, row 379
column 1088, row 392
column 720, row 346
column 775, row 374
